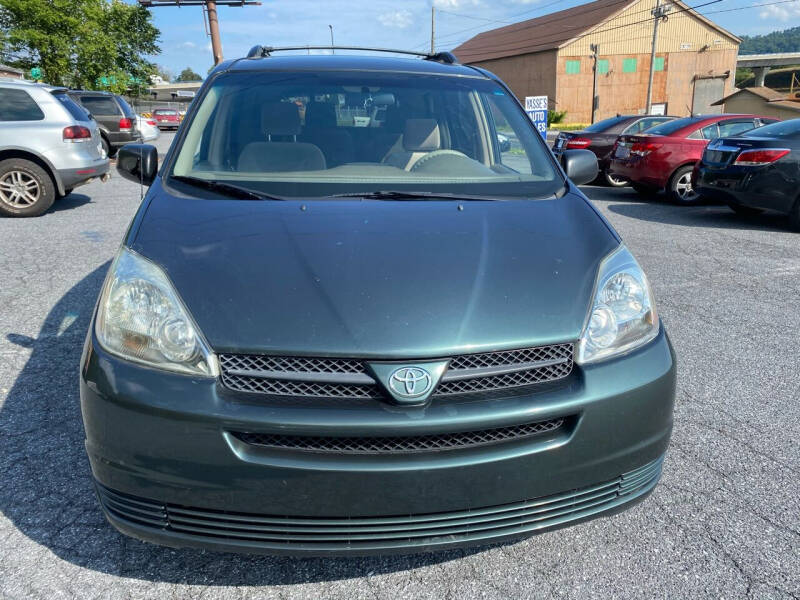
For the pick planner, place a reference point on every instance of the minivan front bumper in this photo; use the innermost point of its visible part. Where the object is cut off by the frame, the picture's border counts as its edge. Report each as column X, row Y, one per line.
column 169, row 468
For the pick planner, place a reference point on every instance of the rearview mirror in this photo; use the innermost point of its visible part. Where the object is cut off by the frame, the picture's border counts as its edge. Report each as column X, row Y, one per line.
column 580, row 165
column 138, row 163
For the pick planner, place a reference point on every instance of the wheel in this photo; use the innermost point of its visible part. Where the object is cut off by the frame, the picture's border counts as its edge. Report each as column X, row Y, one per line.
column 106, row 147
column 614, row 180
column 643, row 190
column 745, row 211
column 681, row 189
column 26, row 189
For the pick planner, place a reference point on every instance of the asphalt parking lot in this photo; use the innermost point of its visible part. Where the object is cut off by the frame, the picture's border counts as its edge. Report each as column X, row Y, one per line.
column 723, row 523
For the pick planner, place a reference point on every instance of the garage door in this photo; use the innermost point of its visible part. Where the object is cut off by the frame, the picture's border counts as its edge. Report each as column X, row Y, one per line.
column 707, row 91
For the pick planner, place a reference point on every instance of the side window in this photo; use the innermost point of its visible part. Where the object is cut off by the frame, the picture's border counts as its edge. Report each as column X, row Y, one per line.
column 729, row 128
column 72, row 108
column 629, row 65
column 572, row 67
column 99, row 105
column 763, row 121
column 512, row 155
column 17, row 105
column 643, row 124
column 710, row 132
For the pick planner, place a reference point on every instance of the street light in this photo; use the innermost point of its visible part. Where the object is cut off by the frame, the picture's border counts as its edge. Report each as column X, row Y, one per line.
column 331, row 28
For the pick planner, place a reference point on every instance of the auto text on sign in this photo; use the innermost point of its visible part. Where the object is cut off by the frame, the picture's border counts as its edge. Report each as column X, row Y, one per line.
column 536, row 107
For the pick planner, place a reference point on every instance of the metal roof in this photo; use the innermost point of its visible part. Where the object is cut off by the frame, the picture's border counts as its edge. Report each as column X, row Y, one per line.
column 553, row 31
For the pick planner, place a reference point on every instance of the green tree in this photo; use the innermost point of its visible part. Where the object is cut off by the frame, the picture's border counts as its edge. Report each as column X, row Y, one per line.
column 188, row 75
column 81, row 43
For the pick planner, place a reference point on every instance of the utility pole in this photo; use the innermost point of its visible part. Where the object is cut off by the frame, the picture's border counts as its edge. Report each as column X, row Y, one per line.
column 332, row 44
column 210, row 9
column 659, row 13
column 595, row 48
column 433, row 28
column 213, row 29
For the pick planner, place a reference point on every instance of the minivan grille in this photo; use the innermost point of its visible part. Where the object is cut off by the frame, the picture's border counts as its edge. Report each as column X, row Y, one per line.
column 402, row 444
column 349, row 377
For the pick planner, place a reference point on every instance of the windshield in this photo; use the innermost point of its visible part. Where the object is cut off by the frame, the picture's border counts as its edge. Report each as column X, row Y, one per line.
column 605, row 124
column 323, row 134
column 671, row 127
column 783, row 129
column 165, row 112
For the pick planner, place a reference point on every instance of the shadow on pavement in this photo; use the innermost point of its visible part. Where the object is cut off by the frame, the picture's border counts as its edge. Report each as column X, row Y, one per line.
column 68, row 202
column 45, row 480
column 709, row 215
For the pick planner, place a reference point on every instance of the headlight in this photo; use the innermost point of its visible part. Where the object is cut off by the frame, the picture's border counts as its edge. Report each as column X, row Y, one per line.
column 141, row 318
column 623, row 314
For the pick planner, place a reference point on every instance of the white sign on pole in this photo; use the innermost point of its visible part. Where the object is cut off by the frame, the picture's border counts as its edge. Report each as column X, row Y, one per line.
column 536, row 107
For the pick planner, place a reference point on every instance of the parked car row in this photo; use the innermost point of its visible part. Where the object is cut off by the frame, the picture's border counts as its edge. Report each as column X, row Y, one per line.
column 750, row 162
column 663, row 157
column 600, row 138
column 49, row 145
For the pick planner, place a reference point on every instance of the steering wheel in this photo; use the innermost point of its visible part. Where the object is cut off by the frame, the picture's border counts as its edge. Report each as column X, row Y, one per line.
column 436, row 154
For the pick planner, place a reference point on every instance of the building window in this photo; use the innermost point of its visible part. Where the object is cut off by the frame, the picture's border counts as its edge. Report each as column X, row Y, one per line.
column 658, row 65
column 629, row 65
column 573, row 67
column 602, row 66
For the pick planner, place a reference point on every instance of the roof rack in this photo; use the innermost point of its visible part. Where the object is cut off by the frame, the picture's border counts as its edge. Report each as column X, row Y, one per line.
column 447, row 58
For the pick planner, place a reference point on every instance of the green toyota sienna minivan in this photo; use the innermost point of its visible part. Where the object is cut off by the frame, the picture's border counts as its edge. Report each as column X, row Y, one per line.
column 363, row 309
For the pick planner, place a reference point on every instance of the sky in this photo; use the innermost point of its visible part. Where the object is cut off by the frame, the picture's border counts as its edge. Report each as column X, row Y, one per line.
column 402, row 24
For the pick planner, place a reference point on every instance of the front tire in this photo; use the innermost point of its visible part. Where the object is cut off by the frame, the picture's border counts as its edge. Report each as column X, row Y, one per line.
column 681, row 190
column 26, row 189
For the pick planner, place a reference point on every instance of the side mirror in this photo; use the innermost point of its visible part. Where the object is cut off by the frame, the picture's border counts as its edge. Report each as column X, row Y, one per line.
column 138, row 163
column 580, row 165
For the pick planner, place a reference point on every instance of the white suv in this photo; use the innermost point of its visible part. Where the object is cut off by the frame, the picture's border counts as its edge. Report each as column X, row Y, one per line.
column 48, row 146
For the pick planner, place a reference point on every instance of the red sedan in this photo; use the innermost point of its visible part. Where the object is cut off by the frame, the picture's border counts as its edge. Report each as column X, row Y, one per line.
column 663, row 157
column 166, row 118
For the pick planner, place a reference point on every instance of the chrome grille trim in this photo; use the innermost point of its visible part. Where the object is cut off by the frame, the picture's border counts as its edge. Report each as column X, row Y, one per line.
column 349, row 377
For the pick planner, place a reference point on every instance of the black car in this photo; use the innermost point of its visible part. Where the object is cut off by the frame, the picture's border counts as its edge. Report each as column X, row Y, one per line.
column 600, row 137
column 114, row 116
column 757, row 170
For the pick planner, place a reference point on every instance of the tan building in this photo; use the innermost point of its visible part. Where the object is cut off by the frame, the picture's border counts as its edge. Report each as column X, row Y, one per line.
column 551, row 55
column 761, row 101
column 6, row 71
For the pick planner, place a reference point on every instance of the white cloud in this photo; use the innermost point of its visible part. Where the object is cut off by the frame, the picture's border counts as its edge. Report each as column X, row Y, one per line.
column 187, row 45
column 399, row 19
column 782, row 12
column 445, row 4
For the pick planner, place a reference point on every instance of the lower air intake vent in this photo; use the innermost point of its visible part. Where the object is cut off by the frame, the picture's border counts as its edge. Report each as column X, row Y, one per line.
column 402, row 444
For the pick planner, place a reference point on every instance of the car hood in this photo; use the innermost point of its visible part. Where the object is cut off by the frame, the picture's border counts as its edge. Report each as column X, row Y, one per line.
column 378, row 278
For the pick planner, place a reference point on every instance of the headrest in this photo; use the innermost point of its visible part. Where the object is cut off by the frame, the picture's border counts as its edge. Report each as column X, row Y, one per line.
column 321, row 115
column 421, row 135
column 280, row 118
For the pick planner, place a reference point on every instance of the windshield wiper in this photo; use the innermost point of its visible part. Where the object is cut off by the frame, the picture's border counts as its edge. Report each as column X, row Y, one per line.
column 229, row 189
column 411, row 195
